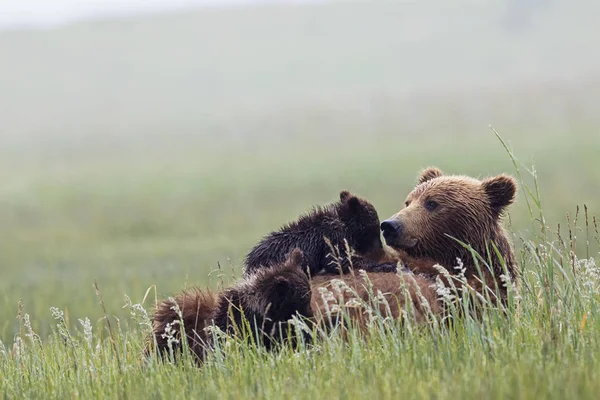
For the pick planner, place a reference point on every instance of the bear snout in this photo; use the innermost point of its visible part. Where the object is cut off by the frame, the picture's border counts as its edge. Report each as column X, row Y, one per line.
column 392, row 229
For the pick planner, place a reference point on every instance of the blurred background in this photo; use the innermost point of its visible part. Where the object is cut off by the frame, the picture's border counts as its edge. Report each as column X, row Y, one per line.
column 149, row 143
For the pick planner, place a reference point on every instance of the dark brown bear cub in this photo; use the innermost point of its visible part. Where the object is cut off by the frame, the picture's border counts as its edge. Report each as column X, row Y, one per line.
column 352, row 219
column 257, row 308
column 267, row 300
column 443, row 211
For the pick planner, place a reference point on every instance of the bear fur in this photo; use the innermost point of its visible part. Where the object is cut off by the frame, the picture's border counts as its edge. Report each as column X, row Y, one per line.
column 197, row 310
column 351, row 219
column 442, row 209
column 260, row 307
column 257, row 308
column 396, row 291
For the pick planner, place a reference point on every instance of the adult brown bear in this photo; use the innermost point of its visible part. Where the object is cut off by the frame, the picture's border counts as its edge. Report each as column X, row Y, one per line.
column 443, row 214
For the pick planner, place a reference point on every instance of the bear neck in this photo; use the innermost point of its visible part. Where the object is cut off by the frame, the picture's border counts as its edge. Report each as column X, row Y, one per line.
column 345, row 228
column 483, row 245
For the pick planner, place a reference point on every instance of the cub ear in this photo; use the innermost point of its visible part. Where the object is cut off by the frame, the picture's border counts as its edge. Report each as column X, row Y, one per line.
column 428, row 174
column 501, row 191
column 281, row 285
column 296, row 257
column 345, row 195
column 348, row 198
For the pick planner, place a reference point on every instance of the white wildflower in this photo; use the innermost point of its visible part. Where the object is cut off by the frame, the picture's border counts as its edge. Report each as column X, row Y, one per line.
column 87, row 331
column 30, row 333
column 59, row 315
column 56, row 313
column 18, row 348
column 138, row 313
column 587, row 277
column 299, row 324
column 170, row 332
column 443, row 271
column 442, row 290
column 353, row 303
column 335, row 308
column 460, row 267
column 326, row 295
column 340, row 286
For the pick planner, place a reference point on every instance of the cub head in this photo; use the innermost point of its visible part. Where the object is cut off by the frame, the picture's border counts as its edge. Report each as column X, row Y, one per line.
column 362, row 225
column 284, row 289
column 443, row 209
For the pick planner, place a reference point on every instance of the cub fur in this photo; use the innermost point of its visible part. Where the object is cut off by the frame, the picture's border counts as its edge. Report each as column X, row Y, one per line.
column 352, row 220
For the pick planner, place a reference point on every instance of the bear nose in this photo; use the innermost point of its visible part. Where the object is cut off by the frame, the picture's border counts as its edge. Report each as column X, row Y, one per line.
column 391, row 228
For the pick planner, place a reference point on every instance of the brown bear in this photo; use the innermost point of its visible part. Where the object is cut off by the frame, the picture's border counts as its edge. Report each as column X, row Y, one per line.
column 351, row 220
column 257, row 308
column 443, row 214
column 359, row 295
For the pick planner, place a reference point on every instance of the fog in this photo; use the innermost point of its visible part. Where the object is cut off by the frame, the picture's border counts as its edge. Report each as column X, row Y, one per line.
column 43, row 14
column 219, row 71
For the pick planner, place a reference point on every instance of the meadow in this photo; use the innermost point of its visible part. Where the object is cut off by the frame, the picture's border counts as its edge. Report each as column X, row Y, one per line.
column 104, row 211
column 148, row 229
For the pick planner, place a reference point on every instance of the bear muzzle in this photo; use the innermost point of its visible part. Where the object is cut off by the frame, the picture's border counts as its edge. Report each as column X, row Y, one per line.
column 392, row 229
column 395, row 234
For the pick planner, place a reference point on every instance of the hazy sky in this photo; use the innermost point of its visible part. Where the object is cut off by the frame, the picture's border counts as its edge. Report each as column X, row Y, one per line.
column 43, row 13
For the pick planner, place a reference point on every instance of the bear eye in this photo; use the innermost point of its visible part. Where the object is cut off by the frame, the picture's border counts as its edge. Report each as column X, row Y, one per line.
column 431, row 205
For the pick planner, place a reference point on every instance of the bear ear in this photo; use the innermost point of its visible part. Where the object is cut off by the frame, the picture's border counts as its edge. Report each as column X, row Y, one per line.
column 281, row 285
column 296, row 257
column 344, row 195
column 428, row 174
column 348, row 198
column 501, row 191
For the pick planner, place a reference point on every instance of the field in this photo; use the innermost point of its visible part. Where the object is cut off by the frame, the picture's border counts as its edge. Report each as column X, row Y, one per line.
column 145, row 212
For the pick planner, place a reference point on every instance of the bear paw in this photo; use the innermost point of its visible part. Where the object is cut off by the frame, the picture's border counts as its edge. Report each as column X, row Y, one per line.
column 387, row 267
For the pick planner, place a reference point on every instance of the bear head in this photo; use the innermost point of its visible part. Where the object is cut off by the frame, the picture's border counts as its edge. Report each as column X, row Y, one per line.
column 442, row 211
column 283, row 289
column 362, row 225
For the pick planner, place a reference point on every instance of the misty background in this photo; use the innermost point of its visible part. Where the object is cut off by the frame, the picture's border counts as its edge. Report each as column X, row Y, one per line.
column 221, row 70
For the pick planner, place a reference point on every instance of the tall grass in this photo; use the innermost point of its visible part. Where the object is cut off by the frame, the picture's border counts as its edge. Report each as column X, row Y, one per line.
column 545, row 344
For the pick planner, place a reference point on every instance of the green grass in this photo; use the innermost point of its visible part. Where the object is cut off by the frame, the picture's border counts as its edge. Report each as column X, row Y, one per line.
column 132, row 224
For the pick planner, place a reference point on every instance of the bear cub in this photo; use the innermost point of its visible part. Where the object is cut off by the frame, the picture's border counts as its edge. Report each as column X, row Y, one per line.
column 257, row 308
column 351, row 219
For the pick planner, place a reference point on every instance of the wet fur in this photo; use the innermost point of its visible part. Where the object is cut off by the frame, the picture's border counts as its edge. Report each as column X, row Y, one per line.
column 260, row 307
column 469, row 210
column 396, row 289
column 257, row 308
column 351, row 219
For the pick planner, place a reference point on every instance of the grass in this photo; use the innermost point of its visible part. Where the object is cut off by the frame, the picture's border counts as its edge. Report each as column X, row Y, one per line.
column 148, row 230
